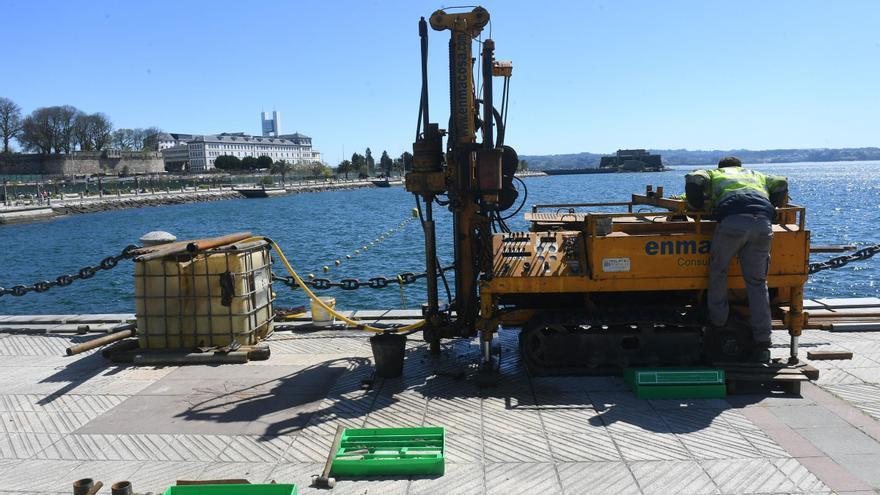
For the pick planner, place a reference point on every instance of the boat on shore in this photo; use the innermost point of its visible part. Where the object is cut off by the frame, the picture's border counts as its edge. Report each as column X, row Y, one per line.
column 260, row 191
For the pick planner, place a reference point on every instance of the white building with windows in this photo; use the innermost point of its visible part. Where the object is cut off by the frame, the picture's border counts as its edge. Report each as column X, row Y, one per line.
column 197, row 153
column 292, row 148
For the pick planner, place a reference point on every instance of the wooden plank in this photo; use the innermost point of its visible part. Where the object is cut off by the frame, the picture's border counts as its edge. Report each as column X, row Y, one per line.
column 820, row 355
column 850, row 302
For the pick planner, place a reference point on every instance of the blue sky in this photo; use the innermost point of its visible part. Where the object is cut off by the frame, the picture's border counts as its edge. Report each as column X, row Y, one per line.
column 588, row 76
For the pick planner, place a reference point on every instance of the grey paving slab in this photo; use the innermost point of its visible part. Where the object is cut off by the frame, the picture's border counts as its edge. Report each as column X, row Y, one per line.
column 800, row 479
column 459, row 479
column 42, row 422
column 456, row 423
column 157, row 476
column 865, row 466
column 527, row 478
column 872, row 409
column 833, row 475
column 384, row 419
column 25, row 445
column 583, row 447
column 840, row 440
column 525, row 447
column 308, row 449
column 299, row 473
column 836, row 376
column 813, row 416
column 688, row 420
column 867, row 374
column 107, row 471
column 767, row 446
column 579, row 420
column 623, row 420
column 664, row 477
column 747, row 476
column 650, row 446
column 377, row 485
column 37, row 475
column 255, row 449
column 718, row 443
column 254, row 472
column 445, row 404
column 603, row 400
column 599, row 478
column 325, row 423
column 464, row 449
column 510, row 423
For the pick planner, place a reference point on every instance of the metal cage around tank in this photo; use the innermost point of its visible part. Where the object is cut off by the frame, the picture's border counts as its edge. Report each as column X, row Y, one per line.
column 205, row 299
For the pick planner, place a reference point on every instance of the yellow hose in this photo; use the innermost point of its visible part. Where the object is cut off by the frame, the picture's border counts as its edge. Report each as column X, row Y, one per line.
column 350, row 322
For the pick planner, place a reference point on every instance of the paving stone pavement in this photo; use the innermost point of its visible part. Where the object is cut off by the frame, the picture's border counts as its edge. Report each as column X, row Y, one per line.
column 65, row 418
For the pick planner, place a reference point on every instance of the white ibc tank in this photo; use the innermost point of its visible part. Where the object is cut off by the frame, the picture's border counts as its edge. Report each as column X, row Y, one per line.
column 207, row 299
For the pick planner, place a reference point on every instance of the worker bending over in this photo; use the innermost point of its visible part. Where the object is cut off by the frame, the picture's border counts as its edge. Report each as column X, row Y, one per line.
column 744, row 204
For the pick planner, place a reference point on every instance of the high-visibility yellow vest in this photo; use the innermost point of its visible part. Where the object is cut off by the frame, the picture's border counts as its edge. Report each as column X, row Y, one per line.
column 720, row 184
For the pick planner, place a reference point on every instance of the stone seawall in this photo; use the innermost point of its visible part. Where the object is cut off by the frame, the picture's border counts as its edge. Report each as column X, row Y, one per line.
column 83, row 163
column 22, row 213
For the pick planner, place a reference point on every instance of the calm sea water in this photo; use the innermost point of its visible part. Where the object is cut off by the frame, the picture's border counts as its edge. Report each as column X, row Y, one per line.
column 843, row 201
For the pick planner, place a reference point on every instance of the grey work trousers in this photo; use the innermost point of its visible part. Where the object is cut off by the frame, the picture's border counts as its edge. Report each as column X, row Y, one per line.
column 748, row 237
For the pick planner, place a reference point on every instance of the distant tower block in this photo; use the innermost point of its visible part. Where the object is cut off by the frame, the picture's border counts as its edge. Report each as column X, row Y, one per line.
column 271, row 127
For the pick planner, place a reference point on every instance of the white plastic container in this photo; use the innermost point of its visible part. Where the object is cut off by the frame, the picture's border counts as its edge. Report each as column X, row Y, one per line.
column 320, row 316
column 207, row 299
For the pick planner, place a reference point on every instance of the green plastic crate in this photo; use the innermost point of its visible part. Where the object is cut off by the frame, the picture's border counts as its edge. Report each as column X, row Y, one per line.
column 390, row 451
column 273, row 489
column 676, row 383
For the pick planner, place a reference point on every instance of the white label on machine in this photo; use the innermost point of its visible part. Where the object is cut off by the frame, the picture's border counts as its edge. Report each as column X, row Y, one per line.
column 615, row 264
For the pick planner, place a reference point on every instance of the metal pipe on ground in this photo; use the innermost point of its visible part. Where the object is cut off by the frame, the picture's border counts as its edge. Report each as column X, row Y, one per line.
column 124, row 333
column 120, row 346
column 82, row 487
column 259, row 352
column 121, row 488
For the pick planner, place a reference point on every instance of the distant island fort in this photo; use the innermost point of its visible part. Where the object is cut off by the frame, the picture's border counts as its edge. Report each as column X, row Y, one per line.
column 637, row 160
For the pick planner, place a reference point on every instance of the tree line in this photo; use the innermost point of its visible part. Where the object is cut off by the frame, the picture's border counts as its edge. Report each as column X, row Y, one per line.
column 230, row 163
column 365, row 165
column 65, row 128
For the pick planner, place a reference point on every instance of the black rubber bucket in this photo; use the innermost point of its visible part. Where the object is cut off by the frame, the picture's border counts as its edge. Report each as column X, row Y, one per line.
column 388, row 350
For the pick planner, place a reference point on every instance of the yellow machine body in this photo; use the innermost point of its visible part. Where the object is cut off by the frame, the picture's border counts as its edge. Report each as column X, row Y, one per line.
column 591, row 263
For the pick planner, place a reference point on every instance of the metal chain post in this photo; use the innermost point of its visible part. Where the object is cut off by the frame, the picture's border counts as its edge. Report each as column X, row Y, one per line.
column 841, row 261
column 84, row 273
column 405, row 278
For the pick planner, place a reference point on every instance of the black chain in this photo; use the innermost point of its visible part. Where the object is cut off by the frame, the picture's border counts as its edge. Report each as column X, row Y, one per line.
column 405, row 278
column 840, row 261
column 84, row 273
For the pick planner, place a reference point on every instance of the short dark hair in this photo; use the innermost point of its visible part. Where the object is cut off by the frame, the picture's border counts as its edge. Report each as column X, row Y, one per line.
column 729, row 161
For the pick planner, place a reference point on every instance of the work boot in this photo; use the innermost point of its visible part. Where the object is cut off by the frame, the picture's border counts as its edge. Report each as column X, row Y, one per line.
column 761, row 352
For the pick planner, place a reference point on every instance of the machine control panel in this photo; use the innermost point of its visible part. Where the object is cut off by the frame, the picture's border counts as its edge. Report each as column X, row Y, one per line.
column 537, row 254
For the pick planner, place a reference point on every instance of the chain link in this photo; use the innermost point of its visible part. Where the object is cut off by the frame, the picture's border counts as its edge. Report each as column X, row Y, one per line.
column 841, row 261
column 404, row 278
column 84, row 273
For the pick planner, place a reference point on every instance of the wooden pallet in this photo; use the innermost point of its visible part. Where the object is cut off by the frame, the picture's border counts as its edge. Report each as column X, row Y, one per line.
column 778, row 374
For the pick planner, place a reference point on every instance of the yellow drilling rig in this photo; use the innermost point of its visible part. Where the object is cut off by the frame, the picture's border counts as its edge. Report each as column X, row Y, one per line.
column 591, row 286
